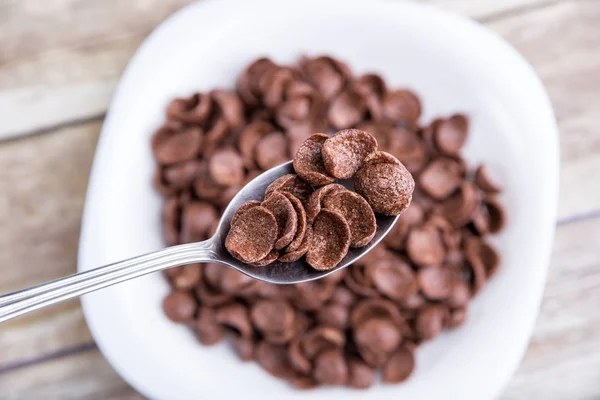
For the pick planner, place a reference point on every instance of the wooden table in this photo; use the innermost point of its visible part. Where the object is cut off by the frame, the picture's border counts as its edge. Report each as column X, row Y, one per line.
column 59, row 63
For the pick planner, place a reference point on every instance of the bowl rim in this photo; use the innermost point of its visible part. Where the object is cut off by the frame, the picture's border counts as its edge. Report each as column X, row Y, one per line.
column 97, row 320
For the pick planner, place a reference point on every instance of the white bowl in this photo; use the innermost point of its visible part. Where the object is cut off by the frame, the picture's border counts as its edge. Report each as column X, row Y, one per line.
column 452, row 63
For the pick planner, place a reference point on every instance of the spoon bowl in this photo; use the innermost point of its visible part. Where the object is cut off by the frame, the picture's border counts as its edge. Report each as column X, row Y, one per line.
column 278, row 272
column 209, row 251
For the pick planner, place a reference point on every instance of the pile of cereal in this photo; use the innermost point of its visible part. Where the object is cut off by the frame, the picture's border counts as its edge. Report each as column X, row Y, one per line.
column 372, row 316
column 332, row 219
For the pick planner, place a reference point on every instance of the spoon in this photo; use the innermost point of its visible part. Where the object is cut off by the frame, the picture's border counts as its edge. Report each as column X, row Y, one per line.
column 209, row 251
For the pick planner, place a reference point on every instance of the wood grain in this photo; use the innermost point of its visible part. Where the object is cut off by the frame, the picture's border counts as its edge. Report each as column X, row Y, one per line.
column 60, row 60
column 561, row 362
column 84, row 376
column 563, row 359
column 493, row 9
column 67, row 77
column 562, row 42
column 59, row 63
column 43, row 179
column 43, row 334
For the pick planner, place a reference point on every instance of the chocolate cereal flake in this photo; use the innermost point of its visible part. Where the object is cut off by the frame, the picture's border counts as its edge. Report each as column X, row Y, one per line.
column 244, row 347
column 210, row 294
column 380, row 157
column 287, row 219
column 413, row 216
column 230, row 107
column 172, row 144
column 248, row 81
column 215, row 136
column 459, row 296
column 436, row 282
column 273, row 358
column 180, row 176
column 478, row 251
column 292, row 184
column 357, row 213
column 253, row 235
column 484, row 182
column 361, row 375
column 496, row 214
column 184, row 277
column 373, row 88
column 315, row 201
column 334, row 315
column 303, row 106
column 310, row 296
column 344, row 152
column 226, row 167
column 331, row 368
column 424, row 246
column 298, row 359
column 401, row 105
column 271, row 150
column 459, row 207
column 320, row 339
column 205, row 186
column 456, row 318
column 295, row 255
column 170, row 221
column 235, row 316
column 330, row 241
column 197, row 220
column 438, row 179
column 296, row 243
column 195, row 109
column 272, row 316
column 272, row 256
column 399, row 367
column 234, row 282
column 249, row 138
column 347, row 109
column 207, row 328
column 429, row 321
column 304, row 383
column 327, row 74
column 387, row 188
column 376, row 339
column 394, row 278
column 375, row 307
column 180, row 306
column 308, row 162
column 243, row 208
column 451, row 134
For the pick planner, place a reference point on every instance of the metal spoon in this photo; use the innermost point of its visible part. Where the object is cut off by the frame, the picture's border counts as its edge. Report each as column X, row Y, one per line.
column 210, row 251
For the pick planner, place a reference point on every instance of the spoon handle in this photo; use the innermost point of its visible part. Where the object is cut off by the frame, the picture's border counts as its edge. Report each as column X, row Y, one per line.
column 21, row 302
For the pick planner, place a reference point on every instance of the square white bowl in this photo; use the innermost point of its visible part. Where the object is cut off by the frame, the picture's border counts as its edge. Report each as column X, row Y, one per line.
column 454, row 64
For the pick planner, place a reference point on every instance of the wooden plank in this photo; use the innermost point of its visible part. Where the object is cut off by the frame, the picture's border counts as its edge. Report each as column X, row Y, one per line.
column 74, row 80
column 60, row 60
column 43, row 334
column 84, row 376
column 44, row 180
column 563, row 359
column 490, row 10
column 562, row 42
column 562, row 362
column 42, row 198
